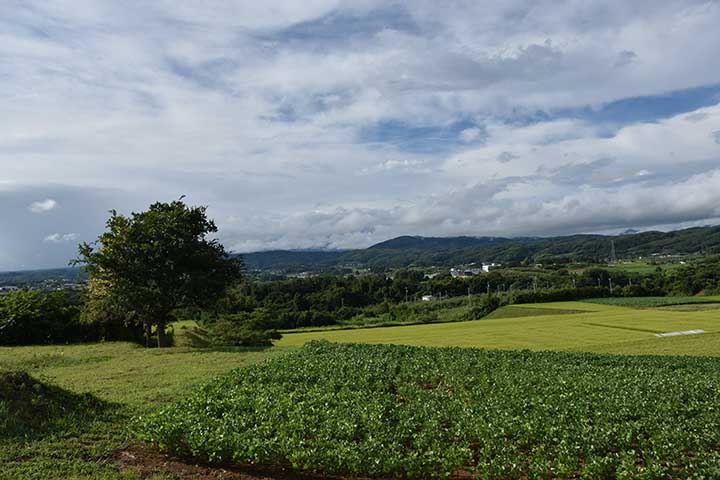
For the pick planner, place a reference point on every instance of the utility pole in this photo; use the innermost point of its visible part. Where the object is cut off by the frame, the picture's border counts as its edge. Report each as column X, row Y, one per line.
column 610, row 281
column 406, row 294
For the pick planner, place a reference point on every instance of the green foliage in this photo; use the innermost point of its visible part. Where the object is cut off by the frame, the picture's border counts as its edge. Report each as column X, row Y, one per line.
column 407, row 412
column 489, row 304
column 155, row 262
column 651, row 302
column 32, row 317
column 243, row 329
column 560, row 295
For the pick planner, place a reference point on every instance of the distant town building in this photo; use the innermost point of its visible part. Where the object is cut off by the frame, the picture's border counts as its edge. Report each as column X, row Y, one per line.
column 463, row 272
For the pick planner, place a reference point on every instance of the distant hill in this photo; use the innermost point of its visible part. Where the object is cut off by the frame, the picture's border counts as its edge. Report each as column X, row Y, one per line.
column 421, row 251
column 296, row 260
column 34, row 277
column 447, row 251
column 435, row 243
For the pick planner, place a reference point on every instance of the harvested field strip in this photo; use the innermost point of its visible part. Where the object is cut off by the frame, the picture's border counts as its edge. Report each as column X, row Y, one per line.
column 620, row 327
column 513, row 311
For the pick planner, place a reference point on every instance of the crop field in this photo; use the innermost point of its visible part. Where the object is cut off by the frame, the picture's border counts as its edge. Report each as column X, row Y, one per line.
column 560, row 326
column 655, row 302
column 408, row 412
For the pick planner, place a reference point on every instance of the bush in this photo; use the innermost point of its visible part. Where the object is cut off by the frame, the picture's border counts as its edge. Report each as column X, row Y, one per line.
column 489, row 304
column 560, row 295
column 247, row 329
column 31, row 317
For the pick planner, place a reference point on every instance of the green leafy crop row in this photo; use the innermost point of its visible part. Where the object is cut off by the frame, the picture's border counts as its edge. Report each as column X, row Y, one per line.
column 433, row 412
column 650, row 302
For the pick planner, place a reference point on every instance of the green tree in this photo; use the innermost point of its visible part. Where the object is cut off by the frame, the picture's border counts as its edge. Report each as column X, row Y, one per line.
column 153, row 263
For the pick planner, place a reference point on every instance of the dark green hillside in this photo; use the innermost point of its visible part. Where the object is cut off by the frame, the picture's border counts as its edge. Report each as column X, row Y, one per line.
column 435, row 243
column 296, row 260
column 34, row 277
column 426, row 251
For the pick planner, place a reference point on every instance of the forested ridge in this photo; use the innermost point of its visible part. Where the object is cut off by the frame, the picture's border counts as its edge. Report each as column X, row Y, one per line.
column 427, row 251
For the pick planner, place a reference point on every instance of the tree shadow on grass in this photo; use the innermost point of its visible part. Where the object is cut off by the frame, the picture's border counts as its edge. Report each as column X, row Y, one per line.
column 30, row 408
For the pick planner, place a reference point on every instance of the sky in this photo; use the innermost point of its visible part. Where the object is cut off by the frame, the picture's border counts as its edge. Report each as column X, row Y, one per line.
column 333, row 124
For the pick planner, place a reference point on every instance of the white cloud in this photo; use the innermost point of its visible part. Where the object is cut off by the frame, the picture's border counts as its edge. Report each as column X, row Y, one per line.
column 43, row 206
column 61, row 237
column 262, row 111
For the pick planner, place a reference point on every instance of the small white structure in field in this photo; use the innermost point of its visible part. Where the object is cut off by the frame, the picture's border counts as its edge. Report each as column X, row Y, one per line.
column 684, row 332
column 428, row 298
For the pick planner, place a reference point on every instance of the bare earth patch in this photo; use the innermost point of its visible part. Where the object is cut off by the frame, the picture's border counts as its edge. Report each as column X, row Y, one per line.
column 148, row 462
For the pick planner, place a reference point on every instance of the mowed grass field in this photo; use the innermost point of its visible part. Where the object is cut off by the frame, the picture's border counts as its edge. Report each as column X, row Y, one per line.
column 559, row 326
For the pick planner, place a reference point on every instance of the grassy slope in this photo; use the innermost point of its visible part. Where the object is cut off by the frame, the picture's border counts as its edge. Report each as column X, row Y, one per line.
column 135, row 379
column 601, row 328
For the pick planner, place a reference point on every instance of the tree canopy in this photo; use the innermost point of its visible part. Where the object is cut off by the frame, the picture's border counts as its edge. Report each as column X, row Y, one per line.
column 150, row 264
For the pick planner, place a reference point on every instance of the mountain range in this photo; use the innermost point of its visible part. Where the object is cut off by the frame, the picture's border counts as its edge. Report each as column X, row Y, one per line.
column 421, row 251
column 448, row 251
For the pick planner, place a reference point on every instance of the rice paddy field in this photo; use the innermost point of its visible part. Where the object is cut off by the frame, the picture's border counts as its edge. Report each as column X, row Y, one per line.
column 628, row 327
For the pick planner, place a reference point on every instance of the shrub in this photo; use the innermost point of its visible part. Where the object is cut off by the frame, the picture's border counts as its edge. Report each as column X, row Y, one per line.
column 247, row 329
column 489, row 304
column 560, row 295
column 31, row 317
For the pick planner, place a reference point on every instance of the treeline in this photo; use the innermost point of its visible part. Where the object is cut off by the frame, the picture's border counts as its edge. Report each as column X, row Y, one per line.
column 402, row 252
column 30, row 317
column 252, row 308
column 330, row 300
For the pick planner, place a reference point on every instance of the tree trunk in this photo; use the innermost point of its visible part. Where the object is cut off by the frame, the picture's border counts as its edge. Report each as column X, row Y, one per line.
column 162, row 338
column 148, row 333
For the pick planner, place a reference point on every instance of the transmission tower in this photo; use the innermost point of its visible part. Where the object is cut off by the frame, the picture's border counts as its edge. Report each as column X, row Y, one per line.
column 613, row 257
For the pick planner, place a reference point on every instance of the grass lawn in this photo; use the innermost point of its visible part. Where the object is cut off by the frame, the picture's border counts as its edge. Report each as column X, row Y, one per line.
column 560, row 326
column 134, row 380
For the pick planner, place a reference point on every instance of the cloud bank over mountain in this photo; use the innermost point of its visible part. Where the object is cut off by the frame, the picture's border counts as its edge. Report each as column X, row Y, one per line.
column 339, row 124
